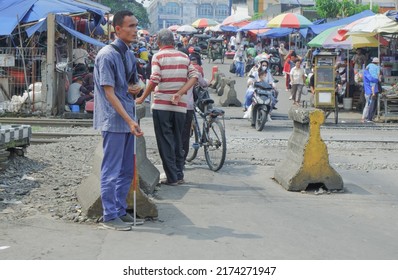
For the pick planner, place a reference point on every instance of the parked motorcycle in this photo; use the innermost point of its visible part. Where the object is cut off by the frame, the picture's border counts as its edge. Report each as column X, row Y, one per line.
column 262, row 103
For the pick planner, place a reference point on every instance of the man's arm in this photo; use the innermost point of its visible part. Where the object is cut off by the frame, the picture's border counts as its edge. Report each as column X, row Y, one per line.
column 151, row 86
column 177, row 96
column 115, row 102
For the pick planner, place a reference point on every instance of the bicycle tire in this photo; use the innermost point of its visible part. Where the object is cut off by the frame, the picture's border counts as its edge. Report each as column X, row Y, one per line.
column 193, row 139
column 215, row 146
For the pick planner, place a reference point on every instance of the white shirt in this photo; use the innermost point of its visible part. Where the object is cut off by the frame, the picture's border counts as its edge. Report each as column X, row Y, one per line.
column 80, row 56
column 296, row 76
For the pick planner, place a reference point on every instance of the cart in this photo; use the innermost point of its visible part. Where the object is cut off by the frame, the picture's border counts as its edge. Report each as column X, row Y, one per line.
column 325, row 85
column 215, row 49
column 202, row 43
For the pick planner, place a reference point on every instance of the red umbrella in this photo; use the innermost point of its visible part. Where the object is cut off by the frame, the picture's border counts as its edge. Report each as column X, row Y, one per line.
column 173, row 28
column 233, row 19
column 290, row 20
column 204, row 22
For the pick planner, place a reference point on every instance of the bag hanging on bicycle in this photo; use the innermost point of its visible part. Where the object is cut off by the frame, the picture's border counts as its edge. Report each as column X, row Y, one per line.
column 199, row 94
column 232, row 68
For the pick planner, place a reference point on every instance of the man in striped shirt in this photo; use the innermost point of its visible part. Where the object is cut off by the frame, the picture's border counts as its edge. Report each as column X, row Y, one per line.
column 172, row 76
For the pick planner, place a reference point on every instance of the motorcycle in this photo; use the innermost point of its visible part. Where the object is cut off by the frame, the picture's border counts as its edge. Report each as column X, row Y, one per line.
column 341, row 85
column 275, row 63
column 262, row 103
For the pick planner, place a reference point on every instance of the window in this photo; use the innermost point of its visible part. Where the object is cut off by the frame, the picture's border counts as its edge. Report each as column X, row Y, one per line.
column 172, row 8
column 222, row 11
column 205, row 10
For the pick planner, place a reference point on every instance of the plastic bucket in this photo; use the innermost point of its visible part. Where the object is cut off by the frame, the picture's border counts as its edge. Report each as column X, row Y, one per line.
column 347, row 103
column 75, row 108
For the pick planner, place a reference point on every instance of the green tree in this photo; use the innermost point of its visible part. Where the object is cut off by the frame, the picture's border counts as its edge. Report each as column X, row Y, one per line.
column 137, row 8
column 360, row 8
column 257, row 16
column 347, row 8
column 327, row 8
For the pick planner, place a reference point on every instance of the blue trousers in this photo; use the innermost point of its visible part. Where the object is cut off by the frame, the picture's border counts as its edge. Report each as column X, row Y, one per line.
column 168, row 130
column 117, row 171
column 240, row 68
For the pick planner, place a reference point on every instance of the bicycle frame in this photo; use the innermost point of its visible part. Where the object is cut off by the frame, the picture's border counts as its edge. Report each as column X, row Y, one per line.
column 211, row 136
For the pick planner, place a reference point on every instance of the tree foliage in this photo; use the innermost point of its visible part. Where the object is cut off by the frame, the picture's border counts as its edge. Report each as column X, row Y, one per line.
column 343, row 8
column 327, row 8
column 137, row 8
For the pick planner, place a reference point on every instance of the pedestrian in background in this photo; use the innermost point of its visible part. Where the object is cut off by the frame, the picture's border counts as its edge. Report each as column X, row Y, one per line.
column 239, row 60
column 114, row 116
column 297, row 76
column 172, row 76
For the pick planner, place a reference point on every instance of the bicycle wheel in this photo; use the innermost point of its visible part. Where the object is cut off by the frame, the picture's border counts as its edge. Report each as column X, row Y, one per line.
column 193, row 143
column 216, row 146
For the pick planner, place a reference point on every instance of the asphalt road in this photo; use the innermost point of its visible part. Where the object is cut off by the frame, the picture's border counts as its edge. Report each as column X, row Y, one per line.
column 240, row 212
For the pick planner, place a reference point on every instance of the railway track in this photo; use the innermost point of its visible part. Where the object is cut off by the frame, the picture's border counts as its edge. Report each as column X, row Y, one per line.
column 48, row 122
column 53, row 137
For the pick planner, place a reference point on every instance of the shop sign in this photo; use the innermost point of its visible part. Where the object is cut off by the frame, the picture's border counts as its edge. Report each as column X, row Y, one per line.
column 7, row 60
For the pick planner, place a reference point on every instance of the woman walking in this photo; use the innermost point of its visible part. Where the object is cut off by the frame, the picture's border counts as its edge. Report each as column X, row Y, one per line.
column 297, row 77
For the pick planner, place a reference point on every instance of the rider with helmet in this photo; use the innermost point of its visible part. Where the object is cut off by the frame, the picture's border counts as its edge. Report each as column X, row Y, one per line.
column 266, row 76
column 142, row 51
column 195, row 52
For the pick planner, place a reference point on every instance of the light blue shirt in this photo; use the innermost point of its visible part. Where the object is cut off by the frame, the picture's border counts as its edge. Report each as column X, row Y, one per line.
column 109, row 71
column 374, row 70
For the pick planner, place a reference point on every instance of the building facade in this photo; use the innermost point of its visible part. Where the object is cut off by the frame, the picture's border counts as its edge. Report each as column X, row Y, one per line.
column 165, row 13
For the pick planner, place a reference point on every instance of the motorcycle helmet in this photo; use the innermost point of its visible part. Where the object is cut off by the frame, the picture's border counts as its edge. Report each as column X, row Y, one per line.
column 261, row 61
column 197, row 49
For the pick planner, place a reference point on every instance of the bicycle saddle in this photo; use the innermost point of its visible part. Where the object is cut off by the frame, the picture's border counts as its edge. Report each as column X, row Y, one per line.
column 215, row 112
column 207, row 101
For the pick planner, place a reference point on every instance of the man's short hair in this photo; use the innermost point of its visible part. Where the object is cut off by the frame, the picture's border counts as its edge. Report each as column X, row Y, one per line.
column 165, row 37
column 118, row 18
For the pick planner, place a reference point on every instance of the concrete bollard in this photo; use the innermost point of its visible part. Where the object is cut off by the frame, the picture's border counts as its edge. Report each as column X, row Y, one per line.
column 307, row 159
column 229, row 98
column 217, row 79
column 221, row 86
column 214, row 70
column 89, row 195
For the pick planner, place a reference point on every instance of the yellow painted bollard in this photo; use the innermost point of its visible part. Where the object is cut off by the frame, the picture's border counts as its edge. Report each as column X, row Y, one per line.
column 307, row 159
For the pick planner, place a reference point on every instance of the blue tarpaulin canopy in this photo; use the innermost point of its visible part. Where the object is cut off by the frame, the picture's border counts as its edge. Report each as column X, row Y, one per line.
column 11, row 12
column 26, row 11
column 254, row 25
column 67, row 24
column 42, row 8
column 276, row 32
column 83, row 37
column 344, row 21
column 228, row 28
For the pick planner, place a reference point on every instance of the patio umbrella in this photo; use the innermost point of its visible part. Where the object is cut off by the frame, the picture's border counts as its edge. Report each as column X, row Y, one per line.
column 204, row 22
column 233, row 19
column 254, row 25
column 216, row 28
column 371, row 25
column 186, row 29
column 290, row 20
column 326, row 40
column 173, row 28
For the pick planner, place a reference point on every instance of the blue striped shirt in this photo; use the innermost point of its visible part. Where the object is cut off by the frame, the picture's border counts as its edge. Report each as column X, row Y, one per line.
column 109, row 71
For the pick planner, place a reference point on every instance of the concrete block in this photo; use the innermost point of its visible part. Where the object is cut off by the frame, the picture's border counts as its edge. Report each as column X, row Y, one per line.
column 307, row 160
column 221, row 86
column 89, row 194
column 229, row 97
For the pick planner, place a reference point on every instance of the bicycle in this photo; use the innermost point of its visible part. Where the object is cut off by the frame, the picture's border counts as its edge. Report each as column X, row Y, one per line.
column 211, row 137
